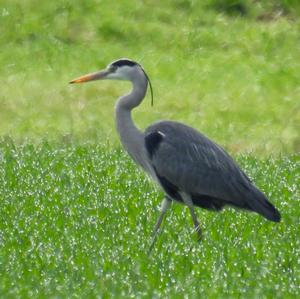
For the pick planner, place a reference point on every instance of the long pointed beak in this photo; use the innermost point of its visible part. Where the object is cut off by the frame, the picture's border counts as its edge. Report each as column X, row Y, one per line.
column 91, row 77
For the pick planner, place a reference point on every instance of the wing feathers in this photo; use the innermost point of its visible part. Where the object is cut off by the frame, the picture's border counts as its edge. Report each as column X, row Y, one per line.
column 197, row 166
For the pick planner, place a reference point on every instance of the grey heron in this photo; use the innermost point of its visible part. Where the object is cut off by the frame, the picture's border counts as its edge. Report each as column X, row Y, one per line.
column 189, row 167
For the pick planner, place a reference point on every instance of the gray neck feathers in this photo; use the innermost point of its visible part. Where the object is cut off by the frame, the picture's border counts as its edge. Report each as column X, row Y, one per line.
column 131, row 137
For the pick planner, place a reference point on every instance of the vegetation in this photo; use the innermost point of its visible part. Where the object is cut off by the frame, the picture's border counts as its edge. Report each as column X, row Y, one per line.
column 76, row 213
column 234, row 78
column 76, row 222
column 262, row 10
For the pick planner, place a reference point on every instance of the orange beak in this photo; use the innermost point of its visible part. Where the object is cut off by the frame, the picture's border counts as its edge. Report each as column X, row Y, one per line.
column 91, row 77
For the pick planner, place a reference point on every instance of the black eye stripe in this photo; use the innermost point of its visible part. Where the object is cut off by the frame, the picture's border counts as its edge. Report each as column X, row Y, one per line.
column 124, row 62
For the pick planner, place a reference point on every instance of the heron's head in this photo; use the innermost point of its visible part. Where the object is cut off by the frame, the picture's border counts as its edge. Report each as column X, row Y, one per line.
column 121, row 69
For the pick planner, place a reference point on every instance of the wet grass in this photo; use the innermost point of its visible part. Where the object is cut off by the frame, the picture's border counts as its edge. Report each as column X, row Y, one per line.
column 76, row 220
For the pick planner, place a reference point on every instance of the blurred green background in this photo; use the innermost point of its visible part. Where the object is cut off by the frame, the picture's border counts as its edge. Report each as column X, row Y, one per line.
column 229, row 68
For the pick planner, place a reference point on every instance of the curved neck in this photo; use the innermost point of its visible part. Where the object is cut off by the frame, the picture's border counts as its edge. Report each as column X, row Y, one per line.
column 136, row 96
column 131, row 137
column 126, row 103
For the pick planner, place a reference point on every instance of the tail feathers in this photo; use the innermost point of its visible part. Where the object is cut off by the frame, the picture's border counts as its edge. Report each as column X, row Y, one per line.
column 259, row 203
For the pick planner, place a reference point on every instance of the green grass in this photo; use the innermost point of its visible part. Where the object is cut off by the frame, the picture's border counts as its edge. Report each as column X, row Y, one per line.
column 234, row 78
column 76, row 214
column 76, row 222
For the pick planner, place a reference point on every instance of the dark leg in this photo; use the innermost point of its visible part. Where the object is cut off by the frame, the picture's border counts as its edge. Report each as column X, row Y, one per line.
column 188, row 201
column 164, row 207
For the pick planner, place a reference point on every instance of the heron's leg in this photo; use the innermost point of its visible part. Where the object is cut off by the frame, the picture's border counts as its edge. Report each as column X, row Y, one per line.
column 164, row 207
column 188, row 201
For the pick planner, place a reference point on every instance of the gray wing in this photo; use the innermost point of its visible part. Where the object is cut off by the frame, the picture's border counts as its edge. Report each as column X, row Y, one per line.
column 192, row 162
column 186, row 160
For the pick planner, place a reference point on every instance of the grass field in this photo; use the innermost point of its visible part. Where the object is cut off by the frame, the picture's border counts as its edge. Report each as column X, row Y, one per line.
column 76, row 222
column 76, row 213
